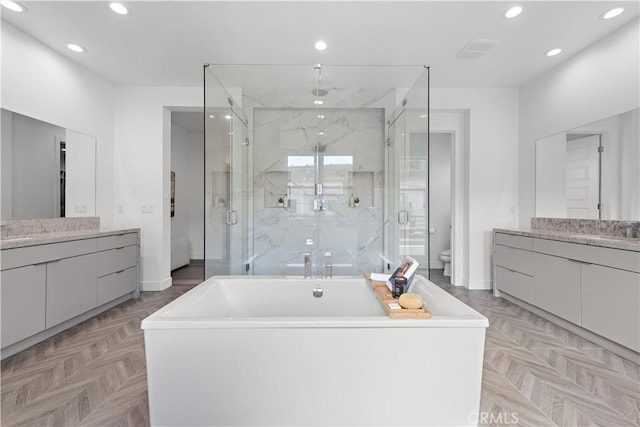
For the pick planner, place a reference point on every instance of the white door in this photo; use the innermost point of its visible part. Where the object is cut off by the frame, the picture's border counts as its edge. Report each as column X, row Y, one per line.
column 583, row 192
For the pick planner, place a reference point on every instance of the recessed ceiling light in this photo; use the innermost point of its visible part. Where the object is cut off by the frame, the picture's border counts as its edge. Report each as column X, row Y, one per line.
column 613, row 13
column 513, row 12
column 11, row 5
column 230, row 133
column 75, row 47
column 423, row 116
column 320, row 133
column 321, row 116
column 318, row 102
column 553, row 52
column 118, row 8
column 320, row 45
column 228, row 117
column 211, row 116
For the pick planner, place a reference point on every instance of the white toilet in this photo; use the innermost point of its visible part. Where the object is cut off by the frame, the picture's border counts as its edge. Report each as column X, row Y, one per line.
column 445, row 257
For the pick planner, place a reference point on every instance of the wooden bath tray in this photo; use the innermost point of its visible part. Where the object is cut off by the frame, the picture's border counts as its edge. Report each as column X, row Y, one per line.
column 385, row 297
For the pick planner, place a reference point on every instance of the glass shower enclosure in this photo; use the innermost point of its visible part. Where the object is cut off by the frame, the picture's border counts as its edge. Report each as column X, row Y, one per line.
column 226, row 195
column 321, row 168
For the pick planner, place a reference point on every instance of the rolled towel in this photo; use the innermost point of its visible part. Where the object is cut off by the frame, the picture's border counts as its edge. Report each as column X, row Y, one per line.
column 410, row 301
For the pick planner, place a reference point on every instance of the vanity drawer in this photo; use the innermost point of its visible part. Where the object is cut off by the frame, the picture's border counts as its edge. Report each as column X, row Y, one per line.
column 515, row 259
column 117, row 241
column 617, row 258
column 516, row 284
column 115, row 260
column 520, row 242
column 116, row 285
column 18, row 257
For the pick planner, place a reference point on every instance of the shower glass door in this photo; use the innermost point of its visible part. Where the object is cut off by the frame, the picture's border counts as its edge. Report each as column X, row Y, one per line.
column 226, row 163
column 408, row 176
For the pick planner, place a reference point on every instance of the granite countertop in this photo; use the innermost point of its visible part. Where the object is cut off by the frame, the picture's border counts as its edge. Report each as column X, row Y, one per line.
column 573, row 237
column 61, row 236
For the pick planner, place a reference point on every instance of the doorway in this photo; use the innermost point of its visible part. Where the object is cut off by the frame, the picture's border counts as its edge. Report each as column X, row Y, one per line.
column 440, row 201
column 187, row 217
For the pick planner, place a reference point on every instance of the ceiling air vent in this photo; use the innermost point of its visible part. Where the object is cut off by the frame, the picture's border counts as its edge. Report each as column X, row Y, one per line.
column 476, row 48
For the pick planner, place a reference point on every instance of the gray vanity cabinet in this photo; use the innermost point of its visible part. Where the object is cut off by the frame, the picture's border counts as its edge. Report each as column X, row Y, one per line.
column 595, row 289
column 556, row 286
column 71, row 287
column 23, row 302
column 50, row 286
column 610, row 300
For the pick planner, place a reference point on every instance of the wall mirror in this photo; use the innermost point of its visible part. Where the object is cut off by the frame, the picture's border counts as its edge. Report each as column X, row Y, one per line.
column 591, row 172
column 47, row 171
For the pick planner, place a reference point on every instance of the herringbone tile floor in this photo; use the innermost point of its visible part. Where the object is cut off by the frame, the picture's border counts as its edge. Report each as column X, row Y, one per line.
column 535, row 373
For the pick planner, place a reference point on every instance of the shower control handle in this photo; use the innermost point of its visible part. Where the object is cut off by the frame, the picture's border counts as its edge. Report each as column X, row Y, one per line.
column 403, row 217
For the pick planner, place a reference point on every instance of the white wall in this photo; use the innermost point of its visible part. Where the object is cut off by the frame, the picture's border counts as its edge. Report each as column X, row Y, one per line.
column 551, row 181
column 80, row 183
column 196, row 195
column 180, row 220
column 142, row 133
column 41, row 83
column 491, row 165
column 599, row 82
column 440, row 148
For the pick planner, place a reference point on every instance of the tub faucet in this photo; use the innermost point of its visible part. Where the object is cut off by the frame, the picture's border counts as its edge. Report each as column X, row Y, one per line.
column 307, row 265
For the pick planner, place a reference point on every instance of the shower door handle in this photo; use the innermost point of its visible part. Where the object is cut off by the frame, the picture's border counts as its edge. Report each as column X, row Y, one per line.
column 232, row 217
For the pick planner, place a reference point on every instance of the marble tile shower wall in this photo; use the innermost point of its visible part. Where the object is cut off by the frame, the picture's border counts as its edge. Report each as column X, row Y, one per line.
column 352, row 159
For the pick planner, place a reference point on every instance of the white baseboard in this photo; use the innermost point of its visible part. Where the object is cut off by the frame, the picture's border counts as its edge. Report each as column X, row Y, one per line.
column 150, row 285
column 479, row 285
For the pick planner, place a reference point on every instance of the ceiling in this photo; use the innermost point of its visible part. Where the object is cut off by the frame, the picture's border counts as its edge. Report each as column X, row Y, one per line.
column 166, row 43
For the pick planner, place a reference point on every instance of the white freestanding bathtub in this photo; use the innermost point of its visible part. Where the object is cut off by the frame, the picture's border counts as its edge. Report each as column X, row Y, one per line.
column 263, row 351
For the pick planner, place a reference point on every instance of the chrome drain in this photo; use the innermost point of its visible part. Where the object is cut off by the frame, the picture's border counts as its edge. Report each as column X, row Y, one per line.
column 317, row 292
